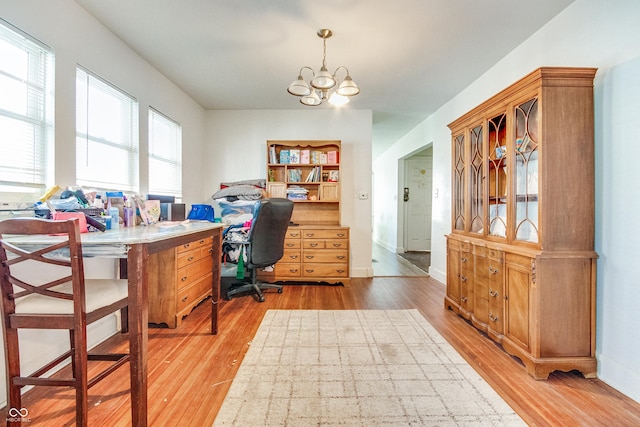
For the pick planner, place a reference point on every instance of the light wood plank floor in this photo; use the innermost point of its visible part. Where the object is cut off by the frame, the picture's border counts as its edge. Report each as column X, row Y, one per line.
column 387, row 263
column 190, row 370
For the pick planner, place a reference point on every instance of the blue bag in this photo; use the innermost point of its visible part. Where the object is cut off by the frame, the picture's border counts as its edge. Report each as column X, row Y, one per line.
column 201, row 212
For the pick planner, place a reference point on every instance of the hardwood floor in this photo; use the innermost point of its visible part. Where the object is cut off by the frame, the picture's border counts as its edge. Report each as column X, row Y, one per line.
column 190, row 370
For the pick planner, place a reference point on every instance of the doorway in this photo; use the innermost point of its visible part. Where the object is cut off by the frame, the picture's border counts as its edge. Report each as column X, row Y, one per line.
column 417, row 203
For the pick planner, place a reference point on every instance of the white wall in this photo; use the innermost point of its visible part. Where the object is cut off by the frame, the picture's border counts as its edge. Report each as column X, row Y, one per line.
column 235, row 150
column 590, row 33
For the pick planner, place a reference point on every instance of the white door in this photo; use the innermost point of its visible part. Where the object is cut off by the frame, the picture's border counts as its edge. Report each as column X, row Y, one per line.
column 417, row 206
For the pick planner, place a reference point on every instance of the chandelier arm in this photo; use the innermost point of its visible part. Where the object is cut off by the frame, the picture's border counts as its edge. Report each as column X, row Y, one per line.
column 313, row 73
column 342, row 67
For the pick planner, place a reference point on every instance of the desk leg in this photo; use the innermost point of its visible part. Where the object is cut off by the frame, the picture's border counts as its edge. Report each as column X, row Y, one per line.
column 137, row 274
column 216, row 251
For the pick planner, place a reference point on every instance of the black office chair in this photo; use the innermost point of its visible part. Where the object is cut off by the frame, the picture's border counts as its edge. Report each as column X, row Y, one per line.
column 265, row 243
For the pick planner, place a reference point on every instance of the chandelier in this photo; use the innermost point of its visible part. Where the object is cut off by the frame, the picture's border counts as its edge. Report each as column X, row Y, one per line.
column 322, row 83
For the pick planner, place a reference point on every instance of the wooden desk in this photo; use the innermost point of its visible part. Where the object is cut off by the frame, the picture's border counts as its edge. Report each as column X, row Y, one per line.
column 136, row 244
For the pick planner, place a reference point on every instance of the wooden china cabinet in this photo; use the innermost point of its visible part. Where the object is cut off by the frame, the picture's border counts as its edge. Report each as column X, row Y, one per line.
column 521, row 264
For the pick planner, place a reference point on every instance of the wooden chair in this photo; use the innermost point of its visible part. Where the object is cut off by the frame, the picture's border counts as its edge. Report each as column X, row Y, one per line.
column 68, row 302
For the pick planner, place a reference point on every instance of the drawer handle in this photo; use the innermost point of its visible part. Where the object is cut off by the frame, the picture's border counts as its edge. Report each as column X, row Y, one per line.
column 186, row 297
column 463, row 278
column 463, row 259
column 293, row 270
column 493, row 318
column 290, row 245
column 340, row 256
column 309, row 271
column 493, row 293
column 340, row 271
column 210, row 250
column 313, row 245
column 310, row 234
column 463, row 299
column 293, row 256
column 493, row 270
column 184, row 278
column 341, row 234
column 190, row 258
column 337, row 245
column 186, row 245
column 202, row 242
column 293, row 234
column 309, row 256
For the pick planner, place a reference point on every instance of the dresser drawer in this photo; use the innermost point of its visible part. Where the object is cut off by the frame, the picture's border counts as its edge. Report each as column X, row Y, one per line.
column 188, row 257
column 325, row 256
column 192, row 294
column 291, row 255
column 195, row 244
column 313, row 244
column 325, row 234
column 285, row 269
column 336, row 244
column 325, row 270
column 292, row 243
column 187, row 275
column 293, row 233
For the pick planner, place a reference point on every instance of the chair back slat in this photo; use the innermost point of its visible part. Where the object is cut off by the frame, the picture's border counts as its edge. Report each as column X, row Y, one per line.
column 67, row 253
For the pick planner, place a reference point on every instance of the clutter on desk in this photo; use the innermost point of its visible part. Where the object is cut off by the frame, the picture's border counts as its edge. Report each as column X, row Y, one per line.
column 108, row 210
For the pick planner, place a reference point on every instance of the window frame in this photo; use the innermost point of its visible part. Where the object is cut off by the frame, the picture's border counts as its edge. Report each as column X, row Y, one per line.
column 103, row 147
column 171, row 165
column 30, row 170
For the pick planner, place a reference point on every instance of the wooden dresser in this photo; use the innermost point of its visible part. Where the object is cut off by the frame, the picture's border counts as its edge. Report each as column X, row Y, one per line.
column 317, row 253
column 182, row 281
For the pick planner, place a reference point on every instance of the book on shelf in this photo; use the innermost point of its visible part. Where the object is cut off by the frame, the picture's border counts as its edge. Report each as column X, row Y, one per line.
column 284, row 157
column 314, row 175
column 272, row 154
column 305, row 156
column 295, row 175
column 296, row 192
column 334, row 176
column 294, row 156
column 333, row 157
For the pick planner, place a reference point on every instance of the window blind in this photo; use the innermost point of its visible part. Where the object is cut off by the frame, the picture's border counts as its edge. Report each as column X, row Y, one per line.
column 165, row 155
column 26, row 111
column 107, row 149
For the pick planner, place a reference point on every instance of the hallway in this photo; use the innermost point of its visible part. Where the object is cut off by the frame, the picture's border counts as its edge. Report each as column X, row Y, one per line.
column 389, row 264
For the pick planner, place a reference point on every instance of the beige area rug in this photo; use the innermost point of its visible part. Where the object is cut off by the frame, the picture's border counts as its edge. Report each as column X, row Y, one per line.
column 357, row 368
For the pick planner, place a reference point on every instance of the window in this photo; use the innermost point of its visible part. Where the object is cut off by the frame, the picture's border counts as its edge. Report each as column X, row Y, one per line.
column 106, row 135
column 165, row 155
column 26, row 112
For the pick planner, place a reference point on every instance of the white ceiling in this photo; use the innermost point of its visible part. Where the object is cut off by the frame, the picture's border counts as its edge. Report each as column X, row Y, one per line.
column 407, row 56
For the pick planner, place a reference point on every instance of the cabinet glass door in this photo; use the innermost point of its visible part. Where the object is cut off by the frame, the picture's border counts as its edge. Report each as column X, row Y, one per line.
column 497, row 165
column 458, row 182
column 526, row 156
column 477, row 180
